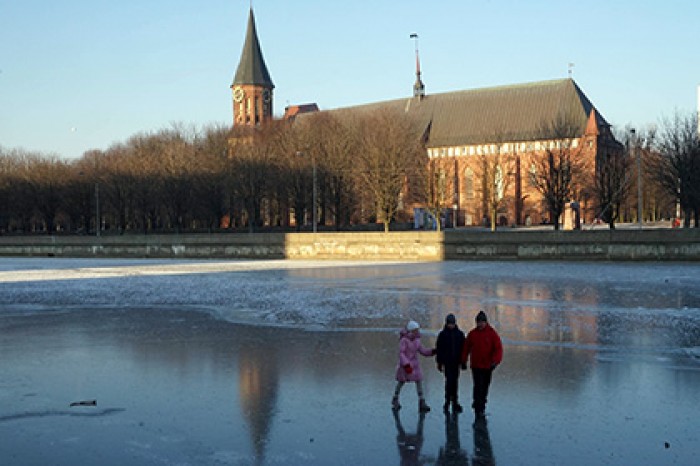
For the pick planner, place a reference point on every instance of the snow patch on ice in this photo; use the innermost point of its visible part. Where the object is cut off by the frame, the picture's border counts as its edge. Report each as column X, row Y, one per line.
column 585, row 304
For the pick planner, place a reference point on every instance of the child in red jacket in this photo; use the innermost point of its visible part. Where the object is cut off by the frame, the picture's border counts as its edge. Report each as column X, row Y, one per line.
column 484, row 350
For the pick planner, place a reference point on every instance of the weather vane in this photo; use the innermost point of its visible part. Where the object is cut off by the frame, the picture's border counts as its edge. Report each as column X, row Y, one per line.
column 414, row 36
column 571, row 69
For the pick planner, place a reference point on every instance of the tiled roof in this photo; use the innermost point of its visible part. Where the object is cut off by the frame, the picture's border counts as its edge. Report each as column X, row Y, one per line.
column 252, row 68
column 294, row 110
column 517, row 112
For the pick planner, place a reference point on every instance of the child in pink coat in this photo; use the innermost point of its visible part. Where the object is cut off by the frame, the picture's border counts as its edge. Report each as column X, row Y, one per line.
column 408, row 369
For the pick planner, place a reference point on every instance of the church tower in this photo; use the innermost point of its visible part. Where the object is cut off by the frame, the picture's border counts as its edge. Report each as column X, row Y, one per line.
column 252, row 86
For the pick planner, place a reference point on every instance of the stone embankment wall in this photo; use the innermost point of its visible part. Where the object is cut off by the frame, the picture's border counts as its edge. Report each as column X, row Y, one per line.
column 619, row 245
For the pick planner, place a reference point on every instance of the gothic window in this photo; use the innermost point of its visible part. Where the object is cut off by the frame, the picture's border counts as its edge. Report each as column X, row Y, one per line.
column 469, row 183
column 532, row 178
column 500, row 183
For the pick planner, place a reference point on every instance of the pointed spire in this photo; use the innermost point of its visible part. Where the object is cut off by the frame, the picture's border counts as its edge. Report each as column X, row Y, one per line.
column 252, row 68
column 418, row 86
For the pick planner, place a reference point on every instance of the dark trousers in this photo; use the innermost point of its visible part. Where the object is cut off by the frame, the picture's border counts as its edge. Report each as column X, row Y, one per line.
column 482, row 380
column 451, row 382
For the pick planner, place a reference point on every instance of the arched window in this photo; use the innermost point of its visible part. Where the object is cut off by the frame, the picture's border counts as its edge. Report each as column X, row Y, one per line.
column 500, row 183
column 532, row 178
column 469, row 183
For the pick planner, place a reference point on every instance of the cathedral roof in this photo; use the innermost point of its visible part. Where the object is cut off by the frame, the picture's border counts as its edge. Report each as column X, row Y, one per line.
column 252, row 68
column 520, row 112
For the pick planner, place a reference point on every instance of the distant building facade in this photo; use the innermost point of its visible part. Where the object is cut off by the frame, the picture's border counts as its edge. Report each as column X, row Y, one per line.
column 461, row 130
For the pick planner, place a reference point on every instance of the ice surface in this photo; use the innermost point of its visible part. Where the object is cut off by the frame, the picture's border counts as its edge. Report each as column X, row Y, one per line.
column 285, row 362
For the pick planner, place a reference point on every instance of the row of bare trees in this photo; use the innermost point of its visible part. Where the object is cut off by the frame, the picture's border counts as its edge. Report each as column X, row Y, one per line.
column 655, row 173
column 365, row 167
column 181, row 179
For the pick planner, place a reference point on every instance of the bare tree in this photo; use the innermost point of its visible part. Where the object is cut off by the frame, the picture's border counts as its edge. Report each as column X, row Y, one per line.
column 390, row 154
column 678, row 164
column 20, row 191
column 175, row 154
column 294, row 162
column 143, row 174
column 47, row 177
column 436, row 188
column 211, row 184
column 555, row 171
column 659, row 202
column 252, row 154
column 7, row 182
column 496, row 166
column 612, row 178
column 326, row 142
column 118, row 185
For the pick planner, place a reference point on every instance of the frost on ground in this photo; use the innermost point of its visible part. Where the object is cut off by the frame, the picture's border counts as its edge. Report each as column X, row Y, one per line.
column 605, row 305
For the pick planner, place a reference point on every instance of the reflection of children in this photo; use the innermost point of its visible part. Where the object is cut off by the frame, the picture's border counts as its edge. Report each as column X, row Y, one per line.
column 409, row 444
column 452, row 453
column 483, row 452
column 409, row 367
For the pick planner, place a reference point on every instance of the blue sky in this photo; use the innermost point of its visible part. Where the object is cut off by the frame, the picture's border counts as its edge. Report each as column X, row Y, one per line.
column 79, row 75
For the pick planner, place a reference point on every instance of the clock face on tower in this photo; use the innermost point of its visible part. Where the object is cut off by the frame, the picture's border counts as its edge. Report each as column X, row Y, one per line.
column 238, row 94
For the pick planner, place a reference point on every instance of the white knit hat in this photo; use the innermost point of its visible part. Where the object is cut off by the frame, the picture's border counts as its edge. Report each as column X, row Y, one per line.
column 412, row 325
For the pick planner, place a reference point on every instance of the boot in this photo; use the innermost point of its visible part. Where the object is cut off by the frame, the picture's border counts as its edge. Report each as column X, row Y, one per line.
column 423, row 407
column 456, row 407
column 395, row 403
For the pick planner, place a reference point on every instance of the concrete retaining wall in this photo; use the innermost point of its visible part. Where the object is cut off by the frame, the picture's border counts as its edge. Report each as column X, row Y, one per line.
column 619, row 245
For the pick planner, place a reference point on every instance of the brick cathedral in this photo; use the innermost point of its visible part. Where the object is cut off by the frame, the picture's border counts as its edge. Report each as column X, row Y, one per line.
column 462, row 129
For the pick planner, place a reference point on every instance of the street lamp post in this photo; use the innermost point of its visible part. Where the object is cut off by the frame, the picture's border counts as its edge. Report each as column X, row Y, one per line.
column 314, row 193
column 97, row 209
column 636, row 151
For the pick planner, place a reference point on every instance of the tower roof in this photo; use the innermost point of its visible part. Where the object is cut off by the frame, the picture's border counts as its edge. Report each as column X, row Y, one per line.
column 251, row 67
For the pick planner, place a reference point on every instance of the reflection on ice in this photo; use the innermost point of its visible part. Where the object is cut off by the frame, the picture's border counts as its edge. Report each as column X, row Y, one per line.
column 601, row 365
column 452, row 453
column 411, row 443
column 483, row 453
column 258, row 380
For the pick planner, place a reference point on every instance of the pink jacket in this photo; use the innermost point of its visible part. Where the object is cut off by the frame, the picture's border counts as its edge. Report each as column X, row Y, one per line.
column 409, row 347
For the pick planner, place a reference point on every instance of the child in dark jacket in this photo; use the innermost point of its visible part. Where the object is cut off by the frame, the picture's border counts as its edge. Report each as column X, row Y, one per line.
column 450, row 342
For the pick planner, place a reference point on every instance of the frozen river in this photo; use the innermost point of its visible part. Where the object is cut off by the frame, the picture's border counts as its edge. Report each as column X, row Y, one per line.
column 279, row 362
